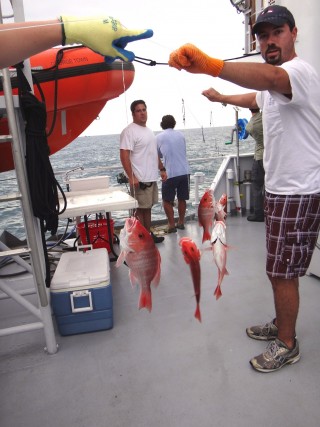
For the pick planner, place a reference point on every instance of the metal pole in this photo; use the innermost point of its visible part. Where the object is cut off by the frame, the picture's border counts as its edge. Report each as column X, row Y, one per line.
column 31, row 224
column 30, row 221
column 237, row 144
column 22, row 183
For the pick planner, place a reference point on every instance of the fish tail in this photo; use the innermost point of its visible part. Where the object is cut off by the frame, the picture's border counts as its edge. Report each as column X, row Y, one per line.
column 206, row 236
column 197, row 313
column 145, row 300
column 217, row 293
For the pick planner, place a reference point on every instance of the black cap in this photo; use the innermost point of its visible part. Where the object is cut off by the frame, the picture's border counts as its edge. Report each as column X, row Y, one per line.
column 275, row 15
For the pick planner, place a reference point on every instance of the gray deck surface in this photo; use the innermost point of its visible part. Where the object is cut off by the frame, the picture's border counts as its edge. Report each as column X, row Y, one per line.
column 165, row 369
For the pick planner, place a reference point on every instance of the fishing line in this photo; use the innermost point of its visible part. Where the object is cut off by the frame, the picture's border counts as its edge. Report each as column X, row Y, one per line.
column 149, row 62
column 152, row 62
column 127, row 119
column 132, row 188
column 247, row 55
column 183, row 113
column 125, row 93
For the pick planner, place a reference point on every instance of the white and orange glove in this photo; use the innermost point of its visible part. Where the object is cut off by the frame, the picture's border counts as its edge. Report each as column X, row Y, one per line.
column 189, row 58
column 103, row 34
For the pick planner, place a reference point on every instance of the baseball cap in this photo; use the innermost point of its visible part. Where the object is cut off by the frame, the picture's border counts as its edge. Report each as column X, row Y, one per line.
column 275, row 15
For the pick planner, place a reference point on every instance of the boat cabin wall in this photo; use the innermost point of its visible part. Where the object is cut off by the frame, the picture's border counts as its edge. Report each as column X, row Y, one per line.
column 306, row 15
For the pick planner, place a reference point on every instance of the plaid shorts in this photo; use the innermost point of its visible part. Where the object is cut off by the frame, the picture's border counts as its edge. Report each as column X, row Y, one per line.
column 292, row 228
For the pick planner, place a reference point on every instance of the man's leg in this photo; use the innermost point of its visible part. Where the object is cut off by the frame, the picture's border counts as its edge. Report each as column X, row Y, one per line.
column 144, row 216
column 168, row 208
column 182, row 207
column 286, row 299
column 284, row 349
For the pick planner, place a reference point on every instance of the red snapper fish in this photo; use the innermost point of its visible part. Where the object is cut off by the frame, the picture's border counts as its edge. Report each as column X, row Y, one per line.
column 141, row 255
column 192, row 256
column 219, row 248
column 206, row 211
column 223, row 199
column 220, row 213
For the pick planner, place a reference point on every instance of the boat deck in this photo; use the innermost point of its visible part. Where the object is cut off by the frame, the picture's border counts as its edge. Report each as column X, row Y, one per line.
column 164, row 368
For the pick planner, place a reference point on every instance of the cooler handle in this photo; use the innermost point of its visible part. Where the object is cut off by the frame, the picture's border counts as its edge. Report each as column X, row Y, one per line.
column 83, row 248
column 81, row 294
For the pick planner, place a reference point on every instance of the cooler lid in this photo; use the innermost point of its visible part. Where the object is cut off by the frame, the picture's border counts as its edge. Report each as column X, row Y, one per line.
column 81, row 269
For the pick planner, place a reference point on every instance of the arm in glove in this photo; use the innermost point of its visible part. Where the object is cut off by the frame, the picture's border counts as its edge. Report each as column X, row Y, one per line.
column 102, row 34
column 188, row 57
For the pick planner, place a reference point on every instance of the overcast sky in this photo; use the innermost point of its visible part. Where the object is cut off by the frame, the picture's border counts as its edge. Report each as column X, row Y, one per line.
column 212, row 25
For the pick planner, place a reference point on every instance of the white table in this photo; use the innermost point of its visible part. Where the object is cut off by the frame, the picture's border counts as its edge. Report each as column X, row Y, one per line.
column 83, row 203
column 87, row 202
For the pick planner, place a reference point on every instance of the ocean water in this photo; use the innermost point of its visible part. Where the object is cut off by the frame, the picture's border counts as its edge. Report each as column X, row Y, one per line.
column 99, row 155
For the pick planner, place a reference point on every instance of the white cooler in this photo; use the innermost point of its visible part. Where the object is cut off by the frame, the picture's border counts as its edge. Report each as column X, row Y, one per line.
column 81, row 292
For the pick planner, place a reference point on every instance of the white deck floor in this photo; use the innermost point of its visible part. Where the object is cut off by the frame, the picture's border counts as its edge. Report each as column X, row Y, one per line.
column 165, row 369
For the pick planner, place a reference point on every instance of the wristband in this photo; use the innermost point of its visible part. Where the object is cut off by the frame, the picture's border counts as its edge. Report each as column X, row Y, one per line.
column 214, row 66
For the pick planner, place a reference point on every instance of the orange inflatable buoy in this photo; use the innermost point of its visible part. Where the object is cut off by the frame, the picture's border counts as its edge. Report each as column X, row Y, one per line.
column 75, row 84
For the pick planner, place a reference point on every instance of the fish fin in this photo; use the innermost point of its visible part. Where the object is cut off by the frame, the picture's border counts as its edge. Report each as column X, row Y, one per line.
column 120, row 259
column 133, row 279
column 155, row 281
column 206, row 236
column 145, row 300
column 197, row 313
column 217, row 293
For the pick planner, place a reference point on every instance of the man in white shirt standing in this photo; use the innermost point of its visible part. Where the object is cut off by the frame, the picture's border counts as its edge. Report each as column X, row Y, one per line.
column 139, row 158
column 287, row 90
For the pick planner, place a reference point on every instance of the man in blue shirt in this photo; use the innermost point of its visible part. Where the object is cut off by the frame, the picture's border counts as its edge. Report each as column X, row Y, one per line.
column 172, row 150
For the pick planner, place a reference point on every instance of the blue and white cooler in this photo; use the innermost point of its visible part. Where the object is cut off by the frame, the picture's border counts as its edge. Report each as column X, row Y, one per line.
column 81, row 292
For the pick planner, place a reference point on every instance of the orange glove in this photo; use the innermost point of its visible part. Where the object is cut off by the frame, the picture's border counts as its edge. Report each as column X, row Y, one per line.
column 188, row 57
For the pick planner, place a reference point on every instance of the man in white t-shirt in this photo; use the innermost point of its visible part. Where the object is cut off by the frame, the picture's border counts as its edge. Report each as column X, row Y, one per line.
column 139, row 158
column 289, row 97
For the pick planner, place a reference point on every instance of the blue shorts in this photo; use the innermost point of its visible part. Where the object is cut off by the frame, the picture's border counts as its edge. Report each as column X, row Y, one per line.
column 178, row 185
column 292, row 227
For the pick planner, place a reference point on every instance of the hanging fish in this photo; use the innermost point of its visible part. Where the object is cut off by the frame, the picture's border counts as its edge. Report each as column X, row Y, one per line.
column 219, row 248
column 192, row 256
column 223, row 199
column 220, row 213
column 140, row 253
column 206, row 211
